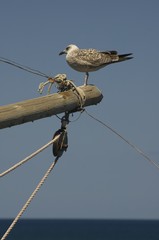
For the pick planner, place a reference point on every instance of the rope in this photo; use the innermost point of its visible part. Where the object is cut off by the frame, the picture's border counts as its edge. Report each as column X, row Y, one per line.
column 141, row 152
column 29, row 199
column 25, row 68
column 29, row 157
column 79, row 93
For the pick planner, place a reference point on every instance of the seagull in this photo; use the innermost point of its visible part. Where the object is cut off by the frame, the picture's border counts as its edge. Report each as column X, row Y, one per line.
column 90, row 60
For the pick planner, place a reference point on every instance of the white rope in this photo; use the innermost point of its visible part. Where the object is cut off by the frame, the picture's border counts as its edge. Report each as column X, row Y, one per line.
column 29, row 157
column 29, row 200
column 80, row 93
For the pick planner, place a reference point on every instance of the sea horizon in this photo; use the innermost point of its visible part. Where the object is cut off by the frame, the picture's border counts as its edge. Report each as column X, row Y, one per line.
column 81, row 229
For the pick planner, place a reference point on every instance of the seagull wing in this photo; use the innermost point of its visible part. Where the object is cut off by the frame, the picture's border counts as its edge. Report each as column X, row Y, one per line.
column 92, row 57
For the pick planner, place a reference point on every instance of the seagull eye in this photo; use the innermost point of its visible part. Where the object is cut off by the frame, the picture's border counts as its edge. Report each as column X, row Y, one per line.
column 67, row 48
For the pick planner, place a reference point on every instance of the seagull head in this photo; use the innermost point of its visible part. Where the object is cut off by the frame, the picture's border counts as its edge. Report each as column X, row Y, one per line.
column 69, row 49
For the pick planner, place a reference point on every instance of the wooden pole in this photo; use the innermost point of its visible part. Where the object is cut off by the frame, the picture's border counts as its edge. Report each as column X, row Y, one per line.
column 46, row 106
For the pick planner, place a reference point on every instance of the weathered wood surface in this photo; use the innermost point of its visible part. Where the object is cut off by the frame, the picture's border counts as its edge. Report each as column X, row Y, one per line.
column 46, row 106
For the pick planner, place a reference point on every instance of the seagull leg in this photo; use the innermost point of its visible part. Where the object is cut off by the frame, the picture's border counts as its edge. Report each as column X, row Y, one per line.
column 86, row 78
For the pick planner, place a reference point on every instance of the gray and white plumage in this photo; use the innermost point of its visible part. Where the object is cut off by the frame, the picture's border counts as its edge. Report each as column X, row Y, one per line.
column 89, row 60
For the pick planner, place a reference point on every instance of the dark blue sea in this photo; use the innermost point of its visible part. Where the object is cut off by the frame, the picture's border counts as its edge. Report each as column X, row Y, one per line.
column 82, row 229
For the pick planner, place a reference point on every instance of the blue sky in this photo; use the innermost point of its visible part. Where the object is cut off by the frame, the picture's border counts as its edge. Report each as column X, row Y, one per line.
column 99, row 176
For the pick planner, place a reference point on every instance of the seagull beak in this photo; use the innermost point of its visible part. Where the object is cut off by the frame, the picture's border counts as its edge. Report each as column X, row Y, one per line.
column 63, row 52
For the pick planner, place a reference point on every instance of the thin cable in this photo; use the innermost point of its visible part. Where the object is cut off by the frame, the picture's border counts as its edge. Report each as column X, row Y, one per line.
column 29, row 199
column 77, row 118
column 29, row 157
column 141, row 152
column 25, row 68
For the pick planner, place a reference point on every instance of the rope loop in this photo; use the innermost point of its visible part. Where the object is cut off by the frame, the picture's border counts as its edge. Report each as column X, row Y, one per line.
column 63, row 84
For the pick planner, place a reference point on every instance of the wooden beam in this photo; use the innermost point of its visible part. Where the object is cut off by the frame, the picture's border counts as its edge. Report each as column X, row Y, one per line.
column 46, row 106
